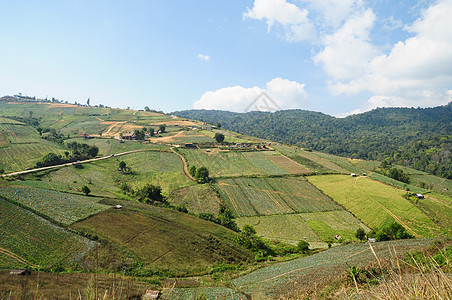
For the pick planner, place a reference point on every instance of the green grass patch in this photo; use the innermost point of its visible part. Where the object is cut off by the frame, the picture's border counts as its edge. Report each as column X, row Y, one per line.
column 375, row 203
column 37, row 240
column 269, row 196
column 200, row 198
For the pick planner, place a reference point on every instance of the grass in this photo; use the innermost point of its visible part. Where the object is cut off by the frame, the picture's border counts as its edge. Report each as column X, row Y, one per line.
column 288, row 164
column 158, row 237
column 232, row 163
column 375, row 203
column 433, row 183
column 36, row 240
column 268, row 196
column 62, row 207
column 315, row 227
column 4, row 140
column 202, row 293
column 316, row 270
column 197, row 199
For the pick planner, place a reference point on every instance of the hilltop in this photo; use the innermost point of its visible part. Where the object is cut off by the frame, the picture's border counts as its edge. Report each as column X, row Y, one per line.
column 414, row 137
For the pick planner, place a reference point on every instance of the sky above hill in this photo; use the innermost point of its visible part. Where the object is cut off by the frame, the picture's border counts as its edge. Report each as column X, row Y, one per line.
column 334, row 56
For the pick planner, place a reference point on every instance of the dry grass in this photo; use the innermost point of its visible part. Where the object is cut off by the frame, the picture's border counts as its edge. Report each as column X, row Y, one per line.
column 425, row 275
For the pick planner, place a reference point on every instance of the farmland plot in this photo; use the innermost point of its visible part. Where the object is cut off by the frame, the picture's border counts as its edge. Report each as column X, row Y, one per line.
column 197, row 199
column 269, row 196
column 375, row 203
column 288, row 164
column 278, row 280
column 312, row 227
column 62, row 207
column 36, row 240
column 201, row 292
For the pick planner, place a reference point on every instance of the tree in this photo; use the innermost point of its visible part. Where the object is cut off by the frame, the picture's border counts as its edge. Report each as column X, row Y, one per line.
column 303, row 247
column 87, row 102
column 162, row 128
column 146, row 108
column 393, row 231
column 151, row 131
column 192, row 171
column 122, row 166
column 219, row 137
column 86, row 190
column 150, row 193
column 360, row 234
column 219, row 125
column 202, row 175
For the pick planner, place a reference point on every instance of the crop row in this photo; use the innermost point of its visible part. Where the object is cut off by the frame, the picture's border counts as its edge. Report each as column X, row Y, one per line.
column 375, row 203
column 268, row 196
column 36, row 239
column 62, row 207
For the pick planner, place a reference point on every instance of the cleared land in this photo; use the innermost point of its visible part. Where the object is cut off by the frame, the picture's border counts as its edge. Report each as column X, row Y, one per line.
column 269, row 196
column 158, row 237
column 279, row 280
column 288, row 164
column 312, row 227
column 197, row 199
column 232, row 163
column 36, row 240
column 375, row 203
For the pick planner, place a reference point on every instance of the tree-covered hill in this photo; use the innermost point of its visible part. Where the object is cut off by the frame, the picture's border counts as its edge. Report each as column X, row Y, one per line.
column 416, row 137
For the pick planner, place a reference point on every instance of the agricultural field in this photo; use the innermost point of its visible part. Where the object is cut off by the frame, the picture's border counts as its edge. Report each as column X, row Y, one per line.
column 310, row 160
column 18, row 157
column 232, row 163
column 375, row 203
column 103, row 178
column 433, row 183
column 158, row 237
column 317, row 228
column 35, row 240
column 287, row 164
column 197, row 199
column 278, row 280
column 4, row 140
column 269, row 196
column 64, row 208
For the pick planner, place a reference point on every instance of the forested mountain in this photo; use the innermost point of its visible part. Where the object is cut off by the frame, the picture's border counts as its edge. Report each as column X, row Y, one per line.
column 416, row 137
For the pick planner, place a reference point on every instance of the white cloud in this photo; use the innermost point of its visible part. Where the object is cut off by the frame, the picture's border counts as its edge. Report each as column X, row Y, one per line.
column 293, row 20
column 332, row 13
column 348, row 51
column 284, row 94
column 415, row 72
column 203, row 57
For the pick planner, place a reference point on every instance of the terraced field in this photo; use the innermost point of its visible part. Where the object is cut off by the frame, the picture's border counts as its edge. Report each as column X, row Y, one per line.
column 232, row 163
column 310, row 160
column 317, row 228
column 270, row 196
column 375, row 203
column 202, row 293
column 62, row 207
column 36, row 241
column 197, row 199
column 314, row 271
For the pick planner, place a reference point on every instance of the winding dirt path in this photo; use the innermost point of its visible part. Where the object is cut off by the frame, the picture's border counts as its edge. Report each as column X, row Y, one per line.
column 186, row 172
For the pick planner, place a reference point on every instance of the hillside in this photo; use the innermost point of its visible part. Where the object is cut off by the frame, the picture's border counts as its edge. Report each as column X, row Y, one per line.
column 169, row 223
column 416, row 137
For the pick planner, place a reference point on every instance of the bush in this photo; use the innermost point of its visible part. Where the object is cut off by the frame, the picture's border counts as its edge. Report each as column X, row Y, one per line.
column 86, row 190
column 303, row 247
column 360, row 234
column 393, row 231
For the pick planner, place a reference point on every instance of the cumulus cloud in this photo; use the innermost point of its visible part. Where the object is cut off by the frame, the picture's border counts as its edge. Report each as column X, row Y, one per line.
column 203, row 57
column 415, row 72
column 333, row 13
column 294, row 21
column 282, row 94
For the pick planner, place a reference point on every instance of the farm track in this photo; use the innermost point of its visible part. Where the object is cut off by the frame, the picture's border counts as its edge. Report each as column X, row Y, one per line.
column 72, row 163
column 186, row 172
column 16, row 257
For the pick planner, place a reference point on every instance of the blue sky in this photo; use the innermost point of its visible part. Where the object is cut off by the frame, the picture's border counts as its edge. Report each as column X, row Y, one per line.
column 334, row 56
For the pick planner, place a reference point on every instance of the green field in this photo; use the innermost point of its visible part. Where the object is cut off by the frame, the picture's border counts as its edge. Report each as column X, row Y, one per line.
column 165, row 239
column 37, row 240
column 232, row 163
column 202, row 293
column 62, row 207
column 269, row 196
column 197, row 198
column 312, row 227
column 310, row 160
column 279, row 280
column 375, row 203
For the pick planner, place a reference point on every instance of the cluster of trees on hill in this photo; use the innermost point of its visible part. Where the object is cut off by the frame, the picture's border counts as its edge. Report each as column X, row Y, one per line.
column 415, row 137
column 79, row 152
